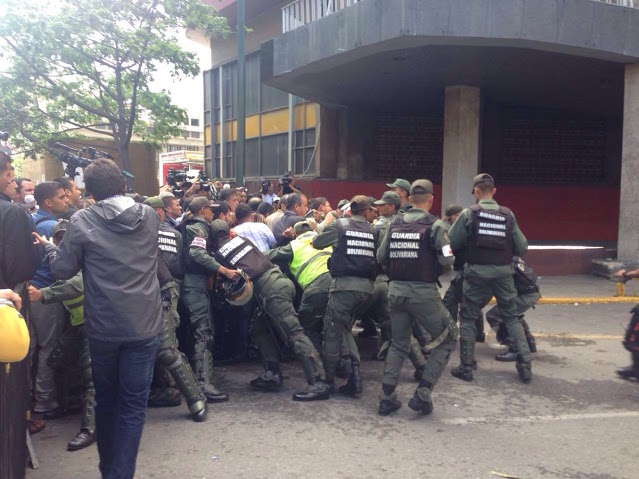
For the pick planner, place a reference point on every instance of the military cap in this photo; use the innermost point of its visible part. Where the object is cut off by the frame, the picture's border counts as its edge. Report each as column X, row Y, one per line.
column 61, row 225
column 482, row 178
column 452, row 210
column 302, row 227
column 342, row 203
column 360, row 203
column 201, row 202
column 421, row 187
column 154, row 202
column 389, row 197
column 401, row 183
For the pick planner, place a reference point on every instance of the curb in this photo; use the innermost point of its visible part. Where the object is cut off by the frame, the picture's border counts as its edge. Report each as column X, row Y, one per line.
column 587, row 300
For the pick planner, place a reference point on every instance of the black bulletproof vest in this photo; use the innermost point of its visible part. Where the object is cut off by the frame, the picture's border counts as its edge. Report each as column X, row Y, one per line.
column 411, row 256
column 355, row 253
column 170, row 242
column 190, row 265
column 525, row 278
column 240, row 253
column 491, row 236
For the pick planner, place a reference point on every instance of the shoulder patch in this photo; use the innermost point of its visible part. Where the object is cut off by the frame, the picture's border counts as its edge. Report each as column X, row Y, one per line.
column 199, row 242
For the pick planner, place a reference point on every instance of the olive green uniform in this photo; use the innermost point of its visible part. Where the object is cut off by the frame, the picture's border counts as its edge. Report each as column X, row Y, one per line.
column 196, row 298
column 418, row 302
column 482, row 282
column 348, row 298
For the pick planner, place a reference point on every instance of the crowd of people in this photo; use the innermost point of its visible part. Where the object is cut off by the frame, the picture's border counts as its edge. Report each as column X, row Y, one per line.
column 112, row 276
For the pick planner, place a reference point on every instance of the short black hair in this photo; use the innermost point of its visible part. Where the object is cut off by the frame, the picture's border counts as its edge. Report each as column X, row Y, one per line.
column 103, row 179
column 265, row 209
column 221, row 209
column 242, row 211
column 45, row 191
column 168, row 201
column 19, row 182
column 317, row 202
column 65, row 182
column 293, row 200
column 225, row 195
column 5, row 162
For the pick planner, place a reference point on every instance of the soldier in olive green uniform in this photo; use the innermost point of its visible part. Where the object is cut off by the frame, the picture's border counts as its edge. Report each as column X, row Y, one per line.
column 309, row 268
column 354, row 268
column 201, row 240
column 388, row 210
column 490, row 236
column 275, row 294
column 413, row 252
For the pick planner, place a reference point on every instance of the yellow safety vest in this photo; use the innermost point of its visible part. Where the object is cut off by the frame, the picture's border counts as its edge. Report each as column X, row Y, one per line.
column 75, row 307
column 308, row 263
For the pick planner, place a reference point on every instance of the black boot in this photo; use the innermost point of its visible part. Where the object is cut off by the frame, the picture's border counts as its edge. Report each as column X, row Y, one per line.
column 421, row 401
column 509, row 355
column 532, row 344
column 525, row 371
column 268, row 381
column 354, row 385
column 467, row 356
column 204, row 376
column 318, row 391
column 83, row 439
column 388, row 400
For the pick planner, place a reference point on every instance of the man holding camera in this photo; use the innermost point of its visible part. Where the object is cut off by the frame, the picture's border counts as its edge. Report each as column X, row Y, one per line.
column 287, row 185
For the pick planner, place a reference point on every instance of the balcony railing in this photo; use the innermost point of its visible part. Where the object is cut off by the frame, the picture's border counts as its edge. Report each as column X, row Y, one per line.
column 301, row 12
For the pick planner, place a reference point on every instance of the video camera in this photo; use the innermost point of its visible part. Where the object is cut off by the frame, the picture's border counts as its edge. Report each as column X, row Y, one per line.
column 179, row 182
column 286, row 179
column 265, row 185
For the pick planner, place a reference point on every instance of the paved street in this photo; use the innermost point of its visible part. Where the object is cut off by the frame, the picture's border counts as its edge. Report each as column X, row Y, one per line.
column 576, row 420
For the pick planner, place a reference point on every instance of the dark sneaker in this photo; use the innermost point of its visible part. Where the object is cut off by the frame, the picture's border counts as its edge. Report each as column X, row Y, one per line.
column 525, row 372
column 421, row 402
column 462, row 372
column 628, row 373
column 388, row 406
column 269, row 381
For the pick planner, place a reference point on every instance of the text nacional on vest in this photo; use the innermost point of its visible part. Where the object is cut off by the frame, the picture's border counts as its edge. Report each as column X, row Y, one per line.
column 489, row 228
column 366, row 240
column 167, row 242
column 231, row 246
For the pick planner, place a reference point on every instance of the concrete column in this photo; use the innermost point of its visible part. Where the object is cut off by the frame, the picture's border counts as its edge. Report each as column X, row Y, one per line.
column 628, row 243
column 461, row 144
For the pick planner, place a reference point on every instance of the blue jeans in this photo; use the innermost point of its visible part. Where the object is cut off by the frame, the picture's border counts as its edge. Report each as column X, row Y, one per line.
column 122, row 374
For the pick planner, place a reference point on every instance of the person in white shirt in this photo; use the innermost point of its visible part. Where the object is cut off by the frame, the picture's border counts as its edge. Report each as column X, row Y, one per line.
column 258, row 233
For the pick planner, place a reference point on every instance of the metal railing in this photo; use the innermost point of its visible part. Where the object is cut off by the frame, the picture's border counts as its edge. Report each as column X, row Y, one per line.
column 301, row 12
column 622, row 3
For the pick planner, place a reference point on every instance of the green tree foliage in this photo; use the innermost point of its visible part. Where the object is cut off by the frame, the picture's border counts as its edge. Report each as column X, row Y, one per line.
column 82, row 64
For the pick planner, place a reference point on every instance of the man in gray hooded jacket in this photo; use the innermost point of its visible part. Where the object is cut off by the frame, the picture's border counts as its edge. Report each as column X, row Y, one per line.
column 114, row 243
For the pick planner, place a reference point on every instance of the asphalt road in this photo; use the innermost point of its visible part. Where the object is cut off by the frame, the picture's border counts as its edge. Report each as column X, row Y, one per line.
column 575, row 420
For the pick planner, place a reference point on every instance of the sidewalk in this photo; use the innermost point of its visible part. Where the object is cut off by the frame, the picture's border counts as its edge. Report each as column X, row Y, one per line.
column 582, row 289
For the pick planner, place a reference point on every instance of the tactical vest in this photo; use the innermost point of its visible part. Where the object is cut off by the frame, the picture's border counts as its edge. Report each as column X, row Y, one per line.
column 190, row 265
column 355, row 252
column 411, row 256
column 170, row 242
column 240, row 253
column 75, row 307
column 308, row 263
column 491, row 236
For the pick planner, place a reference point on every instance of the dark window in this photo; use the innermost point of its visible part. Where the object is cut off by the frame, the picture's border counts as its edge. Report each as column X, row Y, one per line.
column 273, row 98
column 252, row 84
column 194, row 134
column 303, row 152
column 195, row 122
column 275, row 155
column 229, row 159
column 252, row 153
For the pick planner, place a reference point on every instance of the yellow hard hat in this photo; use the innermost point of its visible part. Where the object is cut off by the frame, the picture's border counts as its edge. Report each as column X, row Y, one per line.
column 14, row 335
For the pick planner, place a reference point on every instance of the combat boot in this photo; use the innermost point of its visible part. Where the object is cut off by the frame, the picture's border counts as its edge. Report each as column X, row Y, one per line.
column 318, row 391
column 467, row 356
column 422, row 401
column 268, row 381
column 530, row 339
column 525, row 371
column 353, row 386
column 509, row 355
column 388, row 401
column 203, row 372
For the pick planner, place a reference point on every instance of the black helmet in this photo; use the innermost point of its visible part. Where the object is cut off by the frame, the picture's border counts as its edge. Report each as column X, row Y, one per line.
column 240, row 291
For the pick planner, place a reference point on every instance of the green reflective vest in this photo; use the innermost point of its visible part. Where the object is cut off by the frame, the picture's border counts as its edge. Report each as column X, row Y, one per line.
column 308, row 263
column 75, row 307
